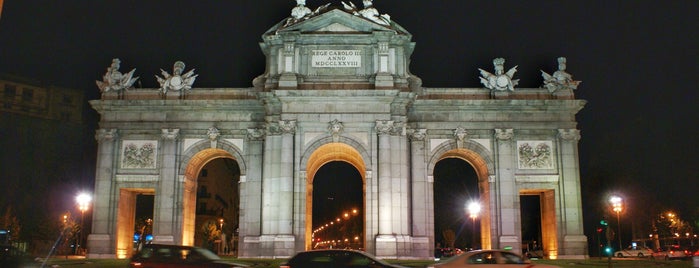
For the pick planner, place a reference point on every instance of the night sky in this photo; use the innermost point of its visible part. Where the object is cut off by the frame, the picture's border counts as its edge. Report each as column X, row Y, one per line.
column 638, row 61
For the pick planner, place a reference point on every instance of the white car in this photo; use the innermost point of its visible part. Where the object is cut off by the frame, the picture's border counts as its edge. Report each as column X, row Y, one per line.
column 488, row 258
column 640, row 252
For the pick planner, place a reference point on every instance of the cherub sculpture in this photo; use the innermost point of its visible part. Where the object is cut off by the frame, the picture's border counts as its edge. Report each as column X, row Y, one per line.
column 560, row 79
column 177, row 81
column 369, row 12
column 500, row 80
column 114, row 80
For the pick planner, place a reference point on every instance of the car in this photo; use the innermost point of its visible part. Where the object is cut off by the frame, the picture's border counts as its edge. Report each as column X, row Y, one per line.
column 488, row 258
column 161, row 256
column 640, row 252
column 670, row 253
column 335, row 258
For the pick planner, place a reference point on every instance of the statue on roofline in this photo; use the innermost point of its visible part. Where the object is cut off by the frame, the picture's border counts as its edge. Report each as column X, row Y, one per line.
column 177, row 81
column 369, row 12
column 500, row 80
column 114, row 80
column 560, row 79
column 301, row 12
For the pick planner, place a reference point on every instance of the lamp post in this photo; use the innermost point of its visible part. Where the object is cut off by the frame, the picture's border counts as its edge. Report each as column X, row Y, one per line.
column 473, row 209
column 83, row 201
column 616, row 207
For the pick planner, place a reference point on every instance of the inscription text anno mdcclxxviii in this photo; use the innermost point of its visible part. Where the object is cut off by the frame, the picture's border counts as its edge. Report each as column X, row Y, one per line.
column 336, row 58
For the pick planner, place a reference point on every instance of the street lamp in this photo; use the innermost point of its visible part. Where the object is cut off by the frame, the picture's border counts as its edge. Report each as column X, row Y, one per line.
column 473, row 209
column 83, row 201
column 616, row 207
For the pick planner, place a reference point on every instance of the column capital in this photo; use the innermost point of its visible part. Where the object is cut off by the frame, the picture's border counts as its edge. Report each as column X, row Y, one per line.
column 417, row 134
column 287, row 126
column 255, row 134
column 384, row 127
column 106, row 134
column 504, row 134
column 170, row 133
column 569, row 134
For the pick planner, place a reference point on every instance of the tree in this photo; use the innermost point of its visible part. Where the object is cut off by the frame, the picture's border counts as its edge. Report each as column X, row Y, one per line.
column 210, row 232
column 10, row 222
column 449, row 237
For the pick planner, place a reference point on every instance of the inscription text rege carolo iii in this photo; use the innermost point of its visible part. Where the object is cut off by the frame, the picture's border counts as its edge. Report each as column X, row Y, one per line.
column 336, row 58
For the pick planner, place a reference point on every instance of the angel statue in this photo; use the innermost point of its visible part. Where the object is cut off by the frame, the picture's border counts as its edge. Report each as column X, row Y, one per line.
column 500, row 80
column 114, row 80
column 369, row 12
column 560, row 79
column 177, row 81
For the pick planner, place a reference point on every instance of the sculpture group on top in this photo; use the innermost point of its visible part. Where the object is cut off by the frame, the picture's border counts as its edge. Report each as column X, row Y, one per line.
column 177, row 81
column 369, row 12
column 500, row 80
column 114, row 80
column 560, row 79
column 301, row 12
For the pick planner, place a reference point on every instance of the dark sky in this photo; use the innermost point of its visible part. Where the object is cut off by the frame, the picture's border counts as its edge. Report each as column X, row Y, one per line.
column 637, row 60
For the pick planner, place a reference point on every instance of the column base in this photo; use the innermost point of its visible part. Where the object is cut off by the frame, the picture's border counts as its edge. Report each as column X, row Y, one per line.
column 268, row 246
column 402, row 247
column 101, row 246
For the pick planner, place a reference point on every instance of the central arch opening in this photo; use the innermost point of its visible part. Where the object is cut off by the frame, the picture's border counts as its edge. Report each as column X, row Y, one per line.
column 337, row 199
column 335, row 189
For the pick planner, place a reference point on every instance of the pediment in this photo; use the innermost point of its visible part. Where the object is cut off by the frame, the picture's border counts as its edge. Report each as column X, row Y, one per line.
column 335, row 20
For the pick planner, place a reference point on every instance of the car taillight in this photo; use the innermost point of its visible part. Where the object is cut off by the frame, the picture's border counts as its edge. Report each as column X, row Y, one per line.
column 136, row 264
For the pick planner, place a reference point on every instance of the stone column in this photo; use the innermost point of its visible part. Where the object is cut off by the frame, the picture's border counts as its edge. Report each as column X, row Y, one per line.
column 100, row 243
column 508, row 196
column 286, row 177
column 251, row 196
column 400, row 180
column 278, row 190
column 383, row 129
column 270, row 180
column 574, row 239
column 166, row 209
column 422, row 199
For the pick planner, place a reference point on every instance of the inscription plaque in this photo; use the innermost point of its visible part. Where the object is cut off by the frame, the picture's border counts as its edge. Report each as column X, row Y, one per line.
column 336, row 58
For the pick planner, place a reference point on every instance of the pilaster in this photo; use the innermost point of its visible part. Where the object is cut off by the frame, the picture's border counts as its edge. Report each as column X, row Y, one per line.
column 251, row 195
column 100, row 243
column 574, row 239
column 507, row 193
column 166, row 207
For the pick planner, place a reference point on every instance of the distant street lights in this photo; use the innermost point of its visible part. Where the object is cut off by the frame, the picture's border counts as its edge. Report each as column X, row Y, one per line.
column 83, row 201
column 617, row 207
column 473, row 209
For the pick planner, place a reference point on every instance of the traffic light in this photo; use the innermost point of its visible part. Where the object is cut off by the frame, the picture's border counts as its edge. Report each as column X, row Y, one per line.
column 608, row 250
column 599, row 230
column 603, row 222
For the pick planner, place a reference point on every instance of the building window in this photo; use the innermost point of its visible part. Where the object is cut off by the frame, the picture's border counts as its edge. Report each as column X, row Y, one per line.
column 27, row 94
column 10, row 90
column 67, row 99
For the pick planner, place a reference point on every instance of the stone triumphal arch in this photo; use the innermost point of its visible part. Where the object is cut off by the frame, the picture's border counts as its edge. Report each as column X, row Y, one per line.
column 337, row 88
